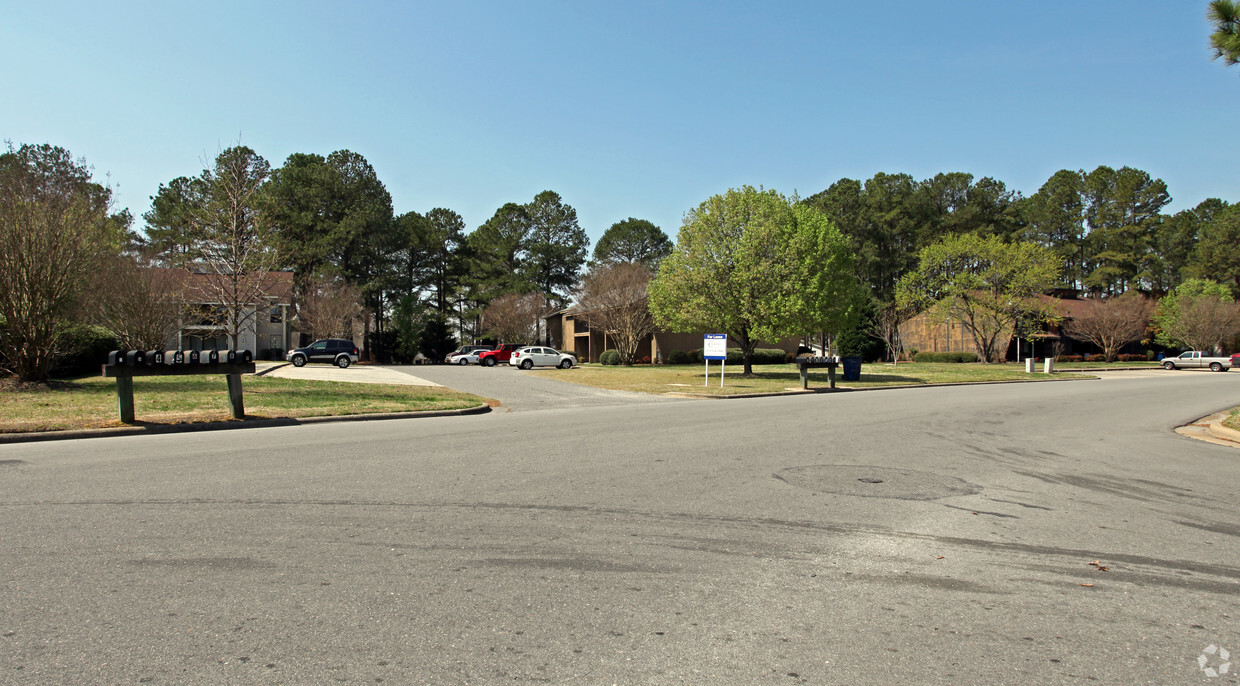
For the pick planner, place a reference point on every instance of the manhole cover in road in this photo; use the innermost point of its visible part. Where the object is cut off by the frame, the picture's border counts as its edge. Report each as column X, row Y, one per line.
column 876, row 482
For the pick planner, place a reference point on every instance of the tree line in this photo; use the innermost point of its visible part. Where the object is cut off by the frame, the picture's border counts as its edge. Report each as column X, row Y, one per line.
column 414, row 282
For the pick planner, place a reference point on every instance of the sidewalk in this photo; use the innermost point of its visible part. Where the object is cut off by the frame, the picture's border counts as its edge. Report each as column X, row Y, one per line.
column 356, row 373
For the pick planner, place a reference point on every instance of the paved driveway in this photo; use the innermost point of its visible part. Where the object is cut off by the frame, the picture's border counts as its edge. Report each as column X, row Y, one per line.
column 521, row 392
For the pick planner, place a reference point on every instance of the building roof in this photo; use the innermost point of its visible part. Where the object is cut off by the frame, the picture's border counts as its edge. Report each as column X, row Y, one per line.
column 200, row 287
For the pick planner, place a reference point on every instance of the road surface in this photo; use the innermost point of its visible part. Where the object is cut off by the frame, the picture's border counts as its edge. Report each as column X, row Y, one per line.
column 941, row 536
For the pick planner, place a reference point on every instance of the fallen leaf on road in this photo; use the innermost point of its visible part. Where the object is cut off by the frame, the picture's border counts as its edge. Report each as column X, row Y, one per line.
column 1086, row 584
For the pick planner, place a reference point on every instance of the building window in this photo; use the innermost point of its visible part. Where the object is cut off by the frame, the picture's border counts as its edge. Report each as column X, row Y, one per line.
column 277, row 315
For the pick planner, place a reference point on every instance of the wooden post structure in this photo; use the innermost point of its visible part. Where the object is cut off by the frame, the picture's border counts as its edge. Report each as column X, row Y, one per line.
column 124, row 375
column 804, row 364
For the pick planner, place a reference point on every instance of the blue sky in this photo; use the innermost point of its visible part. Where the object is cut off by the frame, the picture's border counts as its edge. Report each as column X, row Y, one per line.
column 639, row 109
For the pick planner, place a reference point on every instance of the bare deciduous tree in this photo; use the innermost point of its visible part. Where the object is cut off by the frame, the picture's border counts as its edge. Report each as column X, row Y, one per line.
column 514, row 318
column 886, row 326
column 613, row 300
column 54, row 228
column 1198, row 313
column 1111, row 323
column 142, row 305
column 230, row 247
column 330, row 308
column 1205, row 323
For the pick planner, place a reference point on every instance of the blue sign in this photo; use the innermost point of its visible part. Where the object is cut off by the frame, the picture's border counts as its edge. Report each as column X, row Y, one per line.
column 715, row 346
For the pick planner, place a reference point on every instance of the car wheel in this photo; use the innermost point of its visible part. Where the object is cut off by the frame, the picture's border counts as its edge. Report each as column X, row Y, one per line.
column 1168, row 365
column 463, row 361
column 299, row 361
column 565, row 364
column 527, row 364
column 490, row 362
column 1216, row 367
column 343, row 362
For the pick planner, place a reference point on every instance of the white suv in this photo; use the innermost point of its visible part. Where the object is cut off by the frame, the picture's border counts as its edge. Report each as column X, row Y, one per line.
column 535, row 356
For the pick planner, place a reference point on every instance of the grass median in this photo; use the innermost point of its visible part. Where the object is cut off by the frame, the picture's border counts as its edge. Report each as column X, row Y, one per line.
column 90, row 402
column 688, row 379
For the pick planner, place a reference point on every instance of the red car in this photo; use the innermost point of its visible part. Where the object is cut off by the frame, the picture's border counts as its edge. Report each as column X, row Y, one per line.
column 499, row 355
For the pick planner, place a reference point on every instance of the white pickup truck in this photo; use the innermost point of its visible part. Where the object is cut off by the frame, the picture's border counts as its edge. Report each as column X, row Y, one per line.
column 1195, row 359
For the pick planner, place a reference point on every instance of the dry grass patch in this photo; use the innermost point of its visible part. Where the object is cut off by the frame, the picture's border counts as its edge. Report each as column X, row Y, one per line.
column 90, row 402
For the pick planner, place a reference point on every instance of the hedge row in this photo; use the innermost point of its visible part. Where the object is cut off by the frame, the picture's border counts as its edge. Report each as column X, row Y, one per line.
column 945, row 357
column 1102, row 358
column 760, row 356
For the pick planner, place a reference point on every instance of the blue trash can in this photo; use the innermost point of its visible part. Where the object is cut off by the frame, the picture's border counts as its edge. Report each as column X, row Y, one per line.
column 852, row 368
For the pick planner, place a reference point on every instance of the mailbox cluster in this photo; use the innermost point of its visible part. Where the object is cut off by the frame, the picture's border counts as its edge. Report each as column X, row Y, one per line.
column 136, row 358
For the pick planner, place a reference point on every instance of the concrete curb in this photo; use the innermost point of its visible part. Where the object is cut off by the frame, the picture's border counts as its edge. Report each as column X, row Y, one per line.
column 1217, row 430
column 799, row 391
column 154, row 429
column 272, row 368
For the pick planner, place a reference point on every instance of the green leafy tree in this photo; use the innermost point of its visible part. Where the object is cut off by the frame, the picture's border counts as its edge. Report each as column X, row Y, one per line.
column 632, row 240
column 555, row 246
column 437, row 339
column 884, row 218
column 984, row 283
column 1176, row 239
column 1054, row 218
column 1123, row 211
column 1217, row 252
column 724, row 269
column 742, row 266
column 445, row 265
column 1225, row 41
column 170, row 221
column 827, row 298
column 334, row 216
column 56, row 225
column 1199, row 314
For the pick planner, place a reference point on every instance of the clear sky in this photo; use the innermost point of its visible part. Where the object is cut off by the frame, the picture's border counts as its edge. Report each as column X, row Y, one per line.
column 639, row 109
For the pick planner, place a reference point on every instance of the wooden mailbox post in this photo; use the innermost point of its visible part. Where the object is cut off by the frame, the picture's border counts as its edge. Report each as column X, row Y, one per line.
column 124, row 373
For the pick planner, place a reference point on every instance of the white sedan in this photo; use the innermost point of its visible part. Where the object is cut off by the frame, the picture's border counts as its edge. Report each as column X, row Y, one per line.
column 535, row 356
column 465, row 358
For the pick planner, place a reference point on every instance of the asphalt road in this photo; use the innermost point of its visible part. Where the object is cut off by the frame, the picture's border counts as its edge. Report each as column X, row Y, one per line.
column 939, row 536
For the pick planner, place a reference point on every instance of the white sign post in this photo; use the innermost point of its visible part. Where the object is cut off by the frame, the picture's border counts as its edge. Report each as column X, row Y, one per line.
column 715, row 347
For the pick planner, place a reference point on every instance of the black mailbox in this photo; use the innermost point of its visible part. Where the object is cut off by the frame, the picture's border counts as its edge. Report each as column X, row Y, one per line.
column 116, row 357
column 231, row 356
column 245, row 356
column 154, row 357
column 211, row 357
column 194, row 357
column 135, row 357
column 174, row 357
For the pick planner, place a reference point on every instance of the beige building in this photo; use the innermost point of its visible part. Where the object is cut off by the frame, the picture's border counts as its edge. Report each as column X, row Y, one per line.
column 573, row 334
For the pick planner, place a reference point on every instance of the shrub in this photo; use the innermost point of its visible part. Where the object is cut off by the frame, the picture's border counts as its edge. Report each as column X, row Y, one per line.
column 609, row 357
column 1132, row 358
column 87, row 348
column 1068, row 358
column 949, row 357
column 679, row 357
column 645, row 360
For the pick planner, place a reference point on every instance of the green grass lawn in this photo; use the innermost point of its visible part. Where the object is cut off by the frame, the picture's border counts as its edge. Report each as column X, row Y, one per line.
column 90, row 402
column 780, row 378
